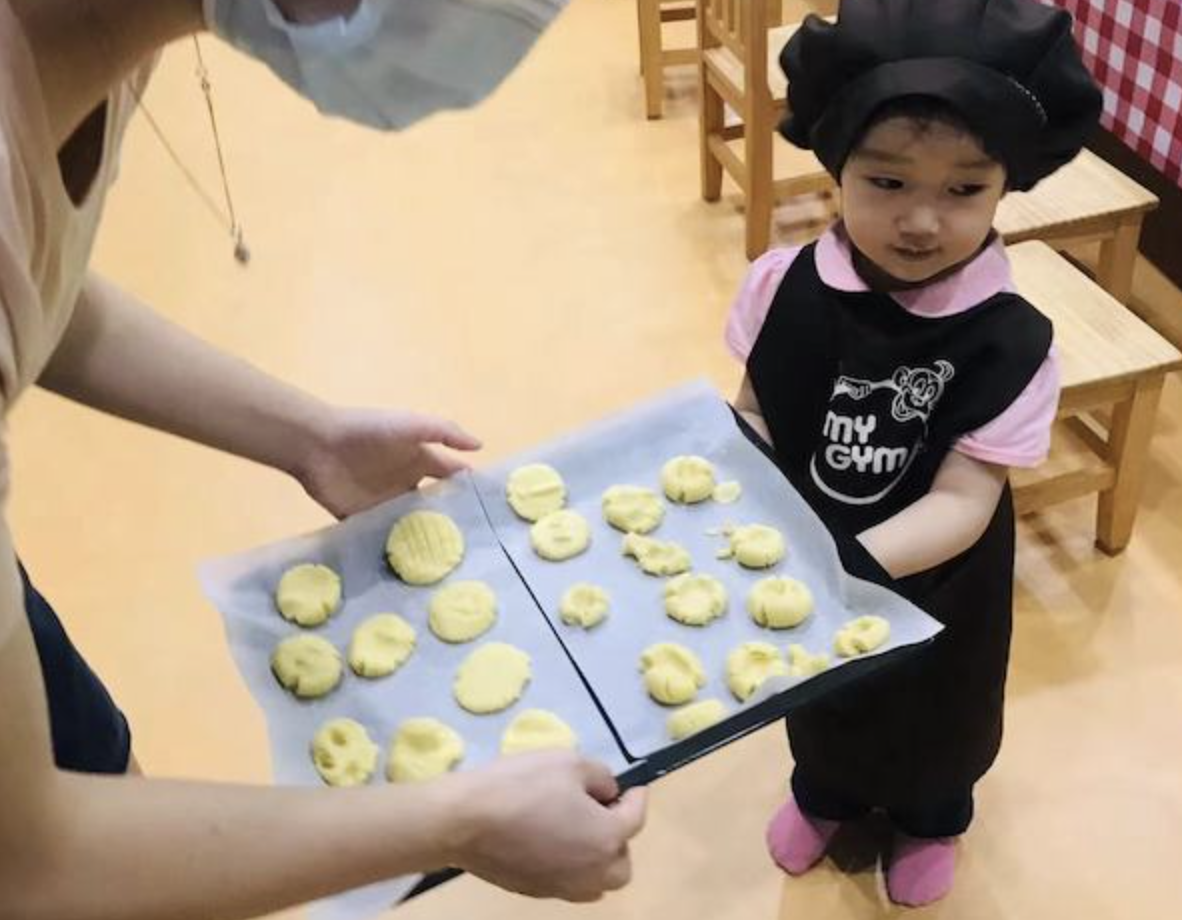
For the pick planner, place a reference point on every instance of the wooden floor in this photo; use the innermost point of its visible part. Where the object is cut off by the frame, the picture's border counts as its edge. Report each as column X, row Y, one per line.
column 527, row 268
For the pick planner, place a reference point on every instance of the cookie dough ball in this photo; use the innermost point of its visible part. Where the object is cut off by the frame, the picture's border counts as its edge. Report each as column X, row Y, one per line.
column 381, row 645
column 492, row 678
column 422, row 749
column 755, row 546
column 424, row 546
column 461, row 611
column 560, row 535
column 633, row 509
column 695, row 599
column 584, row 604
column 691, row 719
column 865, row 634
column 688, row 479
column 726, row 493
column 801, row 663
column 537, row 730
column 672, row 673
column 308, row 666
column 343, row 753
column 779, row 603
column 535, row 490
column 308, row 594
column 656, row 557
column 749, row 665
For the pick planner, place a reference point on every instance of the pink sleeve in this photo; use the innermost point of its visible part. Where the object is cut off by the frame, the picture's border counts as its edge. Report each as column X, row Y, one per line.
column 1021, row 435
column 755, row 298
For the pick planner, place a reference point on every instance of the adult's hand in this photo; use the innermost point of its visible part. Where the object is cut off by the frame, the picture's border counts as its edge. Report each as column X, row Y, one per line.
column 548, row 825
column 357, row 458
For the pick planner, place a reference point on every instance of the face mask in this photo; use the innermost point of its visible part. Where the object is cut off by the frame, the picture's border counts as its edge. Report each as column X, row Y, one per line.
column 392, row 62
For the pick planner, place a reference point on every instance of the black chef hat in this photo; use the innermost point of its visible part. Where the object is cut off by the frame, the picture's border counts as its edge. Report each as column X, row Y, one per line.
column 1009, row 68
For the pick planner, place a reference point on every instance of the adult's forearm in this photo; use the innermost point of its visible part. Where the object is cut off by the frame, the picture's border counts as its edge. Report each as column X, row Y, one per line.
column 121, row 357
column 214, row 852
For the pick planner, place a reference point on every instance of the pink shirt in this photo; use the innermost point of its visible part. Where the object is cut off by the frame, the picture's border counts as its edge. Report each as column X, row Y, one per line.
column 1020, row 436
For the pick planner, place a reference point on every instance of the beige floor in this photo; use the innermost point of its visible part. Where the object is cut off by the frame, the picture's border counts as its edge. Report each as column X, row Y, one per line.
column 527, row 268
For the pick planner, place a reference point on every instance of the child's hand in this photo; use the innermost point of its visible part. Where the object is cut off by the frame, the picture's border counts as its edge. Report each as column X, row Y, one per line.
column 361, row 457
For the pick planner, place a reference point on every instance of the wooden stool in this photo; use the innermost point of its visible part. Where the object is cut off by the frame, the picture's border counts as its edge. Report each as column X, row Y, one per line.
column 654, row 58
column 1108, row 358
column 1085, row 201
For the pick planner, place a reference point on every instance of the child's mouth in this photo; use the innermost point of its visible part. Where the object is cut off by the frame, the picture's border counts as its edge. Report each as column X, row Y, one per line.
column 914, row 255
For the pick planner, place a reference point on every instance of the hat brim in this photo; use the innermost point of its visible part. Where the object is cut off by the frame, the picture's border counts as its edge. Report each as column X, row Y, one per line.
column 997, row 107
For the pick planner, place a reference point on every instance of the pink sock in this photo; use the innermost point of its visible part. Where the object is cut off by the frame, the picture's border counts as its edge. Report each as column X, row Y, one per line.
column 797, row 841
column 921, row 869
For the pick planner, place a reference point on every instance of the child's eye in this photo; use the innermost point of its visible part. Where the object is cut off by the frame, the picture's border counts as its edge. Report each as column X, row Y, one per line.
column 887, row 185
column 966, row 191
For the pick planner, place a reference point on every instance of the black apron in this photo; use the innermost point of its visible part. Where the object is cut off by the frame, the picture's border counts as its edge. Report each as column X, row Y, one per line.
column 863, row 401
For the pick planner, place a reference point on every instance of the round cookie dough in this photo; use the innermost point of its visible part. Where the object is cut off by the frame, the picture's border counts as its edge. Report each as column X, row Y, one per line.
column 492, row 678
column 695, row 599
column 656, row 557
column 424, row 546
column 535, row 490
column 726, row 493
column 560, row 535
column 779, row 603
column 423, row 748
column 381, row 645
column 461, row 611
column 688, row 479
column 691, row 719
column 801, row 663
column 749, row 665
column 308, row 594
column 584, row 604
column 633, row 509
column 754, row 546
column 308, row 666
column 861, row 635
column 672, row 673
column 343, row 753
column 537, row 730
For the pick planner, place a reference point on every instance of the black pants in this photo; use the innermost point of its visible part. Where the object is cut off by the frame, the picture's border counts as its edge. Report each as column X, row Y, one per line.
column 90, row 734
column 945, row 818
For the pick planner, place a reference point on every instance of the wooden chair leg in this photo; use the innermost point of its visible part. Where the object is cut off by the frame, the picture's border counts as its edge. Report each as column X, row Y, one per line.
column 1118, row 258
column 760, row 197
column 1128, row 450
column 711, row 121
column 650, row 57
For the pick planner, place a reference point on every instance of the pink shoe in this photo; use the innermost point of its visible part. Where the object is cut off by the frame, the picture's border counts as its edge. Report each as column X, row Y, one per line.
column 797, row 841
column 921, row 870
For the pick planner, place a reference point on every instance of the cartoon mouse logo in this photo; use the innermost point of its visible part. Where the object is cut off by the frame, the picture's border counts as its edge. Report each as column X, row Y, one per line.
column 917, row 390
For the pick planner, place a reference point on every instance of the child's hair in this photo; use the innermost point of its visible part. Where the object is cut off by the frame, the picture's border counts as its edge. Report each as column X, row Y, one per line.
column 925, row 112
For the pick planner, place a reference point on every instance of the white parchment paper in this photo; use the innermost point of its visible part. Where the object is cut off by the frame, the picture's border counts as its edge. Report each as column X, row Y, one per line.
column 242, row 587
column 630, row 449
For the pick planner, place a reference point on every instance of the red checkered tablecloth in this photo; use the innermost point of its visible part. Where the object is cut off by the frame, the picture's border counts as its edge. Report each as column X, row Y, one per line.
column 1134, row 49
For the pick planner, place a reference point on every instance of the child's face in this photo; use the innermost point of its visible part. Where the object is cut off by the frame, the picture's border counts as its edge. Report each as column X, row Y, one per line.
column 918, row 199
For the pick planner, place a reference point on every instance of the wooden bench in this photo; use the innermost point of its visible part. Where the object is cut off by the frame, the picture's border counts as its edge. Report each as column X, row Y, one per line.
column 1087, row 200
column 1109, row 359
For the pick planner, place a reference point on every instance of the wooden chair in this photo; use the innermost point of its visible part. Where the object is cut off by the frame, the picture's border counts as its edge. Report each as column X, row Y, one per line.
column 1109, row 359
column 654, row 57
column 739, row 67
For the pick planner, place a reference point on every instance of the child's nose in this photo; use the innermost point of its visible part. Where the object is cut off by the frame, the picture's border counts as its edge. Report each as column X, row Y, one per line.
column 920, row 222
